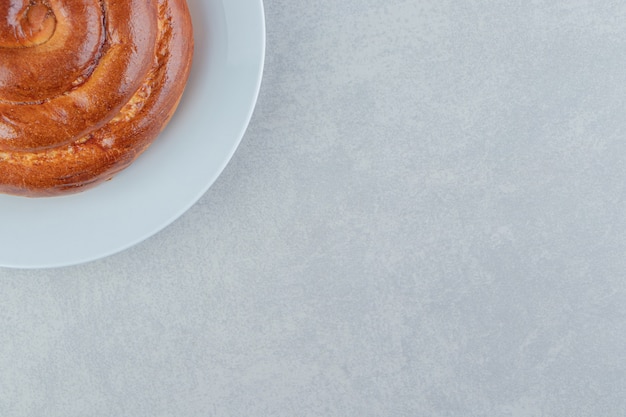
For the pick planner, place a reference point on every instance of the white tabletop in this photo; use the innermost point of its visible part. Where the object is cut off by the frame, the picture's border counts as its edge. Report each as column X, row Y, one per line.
column 425, row 218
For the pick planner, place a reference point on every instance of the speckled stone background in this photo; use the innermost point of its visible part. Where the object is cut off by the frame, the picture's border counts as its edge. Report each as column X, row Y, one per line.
column 427, row 217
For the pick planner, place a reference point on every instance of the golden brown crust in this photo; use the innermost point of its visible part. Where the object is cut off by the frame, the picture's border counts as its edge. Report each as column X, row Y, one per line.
column 79, row 102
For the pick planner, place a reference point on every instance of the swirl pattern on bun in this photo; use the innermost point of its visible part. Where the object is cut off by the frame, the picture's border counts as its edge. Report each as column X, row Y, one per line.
column 85, row 87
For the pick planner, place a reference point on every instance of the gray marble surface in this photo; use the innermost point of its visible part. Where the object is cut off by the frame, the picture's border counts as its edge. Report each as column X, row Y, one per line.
column 427, row 217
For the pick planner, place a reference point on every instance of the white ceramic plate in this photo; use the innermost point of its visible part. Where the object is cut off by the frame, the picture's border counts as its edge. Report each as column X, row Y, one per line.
column 175, row 171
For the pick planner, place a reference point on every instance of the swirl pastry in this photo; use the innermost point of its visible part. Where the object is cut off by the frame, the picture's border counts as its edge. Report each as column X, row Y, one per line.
column 85, row 87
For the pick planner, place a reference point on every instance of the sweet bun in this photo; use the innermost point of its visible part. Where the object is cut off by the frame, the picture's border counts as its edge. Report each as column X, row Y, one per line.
column 85, row 87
